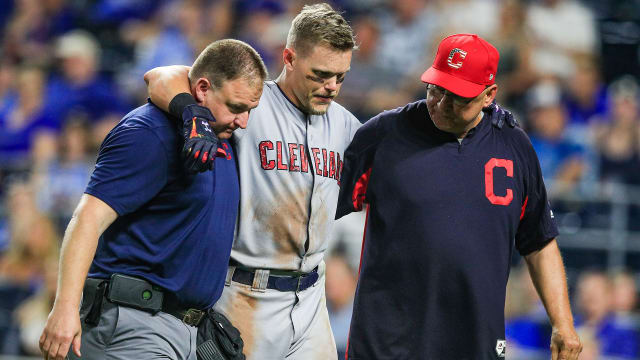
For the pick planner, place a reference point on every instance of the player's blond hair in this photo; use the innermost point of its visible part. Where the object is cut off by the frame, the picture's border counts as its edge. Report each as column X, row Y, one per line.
column 320, row 24
column 228, row 59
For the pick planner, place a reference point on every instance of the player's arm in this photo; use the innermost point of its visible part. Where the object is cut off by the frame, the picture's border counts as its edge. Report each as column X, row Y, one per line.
column 90, row 219
column 169, row 89
column 164, row 83
column 548, row 275
column 356, row 169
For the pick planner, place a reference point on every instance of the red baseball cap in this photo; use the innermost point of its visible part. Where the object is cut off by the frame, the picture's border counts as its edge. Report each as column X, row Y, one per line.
column 465, row 64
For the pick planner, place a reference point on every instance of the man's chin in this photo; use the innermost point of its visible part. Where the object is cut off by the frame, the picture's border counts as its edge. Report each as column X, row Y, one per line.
column 318, row 109
column 441, row 124
column 224, row 135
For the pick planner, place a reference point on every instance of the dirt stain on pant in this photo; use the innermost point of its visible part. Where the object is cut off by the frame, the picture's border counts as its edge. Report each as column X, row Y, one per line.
column 241, row 311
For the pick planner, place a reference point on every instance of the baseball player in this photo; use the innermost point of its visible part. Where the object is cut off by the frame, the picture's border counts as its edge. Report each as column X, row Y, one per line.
column 290, row 159
column 448, row 190
column 161, row 235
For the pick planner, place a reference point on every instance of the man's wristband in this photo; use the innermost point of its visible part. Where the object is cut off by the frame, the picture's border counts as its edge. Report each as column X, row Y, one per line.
column 179, row 102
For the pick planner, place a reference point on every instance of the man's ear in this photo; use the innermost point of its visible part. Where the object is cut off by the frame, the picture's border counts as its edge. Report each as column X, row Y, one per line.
column 490, row 95
column 201, row 87
column 288, row 57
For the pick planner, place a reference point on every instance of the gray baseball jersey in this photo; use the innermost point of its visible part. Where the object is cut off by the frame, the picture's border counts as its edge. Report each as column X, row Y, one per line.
column 290, row 165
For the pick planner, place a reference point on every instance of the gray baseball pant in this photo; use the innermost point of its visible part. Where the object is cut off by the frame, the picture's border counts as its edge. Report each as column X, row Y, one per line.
column 125, row 333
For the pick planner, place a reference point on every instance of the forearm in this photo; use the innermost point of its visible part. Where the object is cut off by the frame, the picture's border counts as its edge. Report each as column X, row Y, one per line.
column 548, row 275
column 164, row 83
column 78, row 249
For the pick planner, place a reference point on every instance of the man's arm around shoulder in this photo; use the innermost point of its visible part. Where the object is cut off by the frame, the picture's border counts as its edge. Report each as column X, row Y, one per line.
column 164, row 83
column 548, row 275
column 169, row 89
column 90, row 219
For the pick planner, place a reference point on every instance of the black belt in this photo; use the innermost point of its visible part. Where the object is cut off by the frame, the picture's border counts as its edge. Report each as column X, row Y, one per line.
column 97, row 288
column 298, row 282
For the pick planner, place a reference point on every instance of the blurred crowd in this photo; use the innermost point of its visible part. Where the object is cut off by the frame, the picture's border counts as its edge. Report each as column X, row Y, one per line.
column 70, row 69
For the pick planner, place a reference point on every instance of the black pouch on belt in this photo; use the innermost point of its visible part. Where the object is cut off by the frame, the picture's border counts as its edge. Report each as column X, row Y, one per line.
column 93, row 316
column 135, row 293
column 218, row 339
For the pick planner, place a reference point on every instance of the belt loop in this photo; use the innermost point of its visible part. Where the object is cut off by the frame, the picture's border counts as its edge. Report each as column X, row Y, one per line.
column 230, row 272
column 260, row 280
column 299, row 282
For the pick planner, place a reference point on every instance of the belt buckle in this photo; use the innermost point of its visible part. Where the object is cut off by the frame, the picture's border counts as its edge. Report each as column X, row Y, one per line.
column 193, row 317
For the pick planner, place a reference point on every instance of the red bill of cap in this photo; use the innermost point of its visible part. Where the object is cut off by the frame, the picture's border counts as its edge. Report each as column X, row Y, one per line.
column 465, row 64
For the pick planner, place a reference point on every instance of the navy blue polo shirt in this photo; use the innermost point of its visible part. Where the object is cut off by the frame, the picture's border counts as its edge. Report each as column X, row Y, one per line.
column 173, row 229
column 444, row 218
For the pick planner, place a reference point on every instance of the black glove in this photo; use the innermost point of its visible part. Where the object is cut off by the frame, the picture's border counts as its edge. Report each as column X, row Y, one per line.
column 200, row 142
column 500, row 116
column 218, row 339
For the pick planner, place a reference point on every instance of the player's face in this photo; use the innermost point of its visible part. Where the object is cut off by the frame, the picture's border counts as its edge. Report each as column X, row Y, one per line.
column 230, row 105
column 455, row 114
column 318, row 77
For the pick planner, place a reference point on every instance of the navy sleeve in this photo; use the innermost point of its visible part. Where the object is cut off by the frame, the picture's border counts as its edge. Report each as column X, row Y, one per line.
column 131, row 169
column 357, row 168
column 537, row 225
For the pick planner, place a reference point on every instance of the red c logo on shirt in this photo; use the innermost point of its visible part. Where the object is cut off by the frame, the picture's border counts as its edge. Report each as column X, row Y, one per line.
column 488, row 181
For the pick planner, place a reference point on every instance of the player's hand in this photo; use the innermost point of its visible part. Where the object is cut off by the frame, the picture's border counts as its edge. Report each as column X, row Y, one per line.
column 61, row 331
column 499, row 115
column 565, row 344
column 200, row 142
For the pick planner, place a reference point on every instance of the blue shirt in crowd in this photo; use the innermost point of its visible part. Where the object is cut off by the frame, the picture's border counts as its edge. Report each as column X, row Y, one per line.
column 173, row 229
column 97, row 98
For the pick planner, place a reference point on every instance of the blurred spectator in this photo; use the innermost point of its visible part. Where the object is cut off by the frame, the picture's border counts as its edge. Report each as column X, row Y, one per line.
column 587, row 104
column 512, row 41
column 33, row 240
column 99, row 131
column 561, row 30
column 590, row 345
column 173, row 37
column 407, row 30
column 22, row 116
column 471, row 17
column 368, row 77
column 625, row 293
column 619, row 25
column 341, row 281
column 616, row 335
column 346, row 237
column 31, row 315
column 32, row 250
column 118, row 11
column 62, row 181
column 260, row 29
column 587, row 99
column 7, row 78
column 561, row 159
column 33, row 26
column 81, row 89
column 527, row 328
column 618, row 139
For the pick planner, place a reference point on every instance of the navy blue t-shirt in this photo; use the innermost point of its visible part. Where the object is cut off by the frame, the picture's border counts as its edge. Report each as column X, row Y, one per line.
column 173, row 229
column 440, row 232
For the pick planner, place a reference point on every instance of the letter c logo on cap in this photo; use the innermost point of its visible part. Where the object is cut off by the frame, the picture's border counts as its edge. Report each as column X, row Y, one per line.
column 452, row 54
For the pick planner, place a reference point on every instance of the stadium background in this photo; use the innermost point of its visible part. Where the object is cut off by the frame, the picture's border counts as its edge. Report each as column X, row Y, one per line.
column 71, row 68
